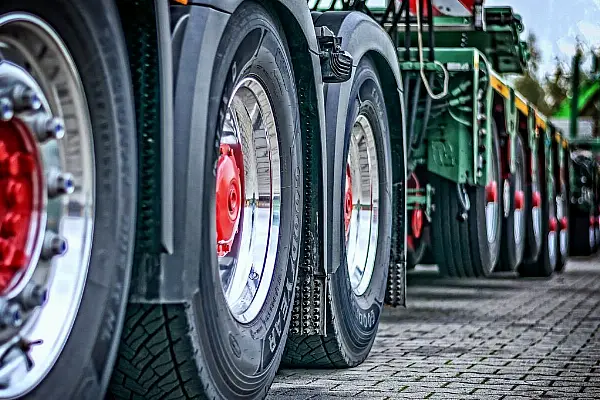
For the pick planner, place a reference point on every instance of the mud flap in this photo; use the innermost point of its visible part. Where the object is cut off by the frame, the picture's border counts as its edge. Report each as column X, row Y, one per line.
column 395, row 294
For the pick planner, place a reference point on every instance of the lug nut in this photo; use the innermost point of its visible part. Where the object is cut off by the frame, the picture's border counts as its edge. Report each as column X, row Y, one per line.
column 33, row 296
column 6, row 109
column 25, row 99
column 59, row 184
column 46, row 127
column 11, row 315
column 54, row 245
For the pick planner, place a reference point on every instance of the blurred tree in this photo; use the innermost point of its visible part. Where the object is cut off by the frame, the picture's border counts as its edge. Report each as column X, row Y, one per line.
column 557, row 86
column 529, row 85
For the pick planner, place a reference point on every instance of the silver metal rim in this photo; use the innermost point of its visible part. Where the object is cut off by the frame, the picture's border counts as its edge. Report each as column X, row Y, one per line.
column 363, row 231
column 519, row 215
column 560, row 213
column 491, row 209
column 592, row 237
column 54, row 284
column 247, row 270
column 552, row 247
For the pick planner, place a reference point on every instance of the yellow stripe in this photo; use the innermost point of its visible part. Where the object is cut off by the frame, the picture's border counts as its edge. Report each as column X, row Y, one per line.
column 184, row 2
column 540, row 122
column 500, row 87
column 521, row 106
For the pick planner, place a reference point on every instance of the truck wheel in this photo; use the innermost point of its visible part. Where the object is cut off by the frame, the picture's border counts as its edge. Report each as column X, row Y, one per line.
column 67, row 196
column 563, row 228
column 513, row 232
column 357, row 288
column 468, row 248
column 227, row 342
column 533, row 215
column 418, row 229
column 582, row 238
column 545, row 265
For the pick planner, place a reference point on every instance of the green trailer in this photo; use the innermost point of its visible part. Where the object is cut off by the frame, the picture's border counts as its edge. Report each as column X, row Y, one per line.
column 195, row 192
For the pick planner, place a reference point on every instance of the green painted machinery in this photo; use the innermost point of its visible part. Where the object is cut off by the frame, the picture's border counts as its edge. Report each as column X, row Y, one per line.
column 487, row 183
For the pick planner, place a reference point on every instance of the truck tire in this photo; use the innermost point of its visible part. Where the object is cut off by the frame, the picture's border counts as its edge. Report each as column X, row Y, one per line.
column 546, row 263
column 227, row 342
column 514, row 227
column 582, row 239
column 72, row 255
column 416, row 255
column 357, row 288
column 468, row 248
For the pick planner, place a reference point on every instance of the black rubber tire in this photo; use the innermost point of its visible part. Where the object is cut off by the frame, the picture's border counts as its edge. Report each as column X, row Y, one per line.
column 90, row 30
column 544, row 266
column 563, row 251
column 199, row 350
column 352, row 320
column 511, row 254
column 579, row 234
column 417, row 255
column 461, row 248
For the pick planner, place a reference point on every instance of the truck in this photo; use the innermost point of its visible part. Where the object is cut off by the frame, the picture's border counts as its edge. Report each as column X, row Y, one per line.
column 584, row 147
column 195, row 192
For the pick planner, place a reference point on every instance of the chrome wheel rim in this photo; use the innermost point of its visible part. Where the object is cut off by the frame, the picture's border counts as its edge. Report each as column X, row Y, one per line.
column 363, row 229
column 519, row 215
column 560, row 214
column 50, row 288
column 491, row 208
column 248, row 260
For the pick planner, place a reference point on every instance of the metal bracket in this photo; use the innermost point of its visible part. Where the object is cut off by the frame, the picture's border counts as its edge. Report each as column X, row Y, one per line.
column 336, row 64
column 464, row 203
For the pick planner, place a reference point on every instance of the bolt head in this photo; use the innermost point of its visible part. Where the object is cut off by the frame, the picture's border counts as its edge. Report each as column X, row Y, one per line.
column 6, row 109
column 55, row 128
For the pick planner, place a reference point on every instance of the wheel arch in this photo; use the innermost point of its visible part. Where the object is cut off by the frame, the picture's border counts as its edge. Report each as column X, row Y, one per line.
column 174, row 278
column 362, row 36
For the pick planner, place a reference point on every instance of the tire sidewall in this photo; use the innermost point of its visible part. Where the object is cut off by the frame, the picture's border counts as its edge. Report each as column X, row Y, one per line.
column 246, row 356
column 515, row 250
column 90, row 31
column 357, row 317
column 489, row 253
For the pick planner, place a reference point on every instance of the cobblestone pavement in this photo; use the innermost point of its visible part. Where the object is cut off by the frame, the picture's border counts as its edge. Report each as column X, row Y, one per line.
column 501, row 338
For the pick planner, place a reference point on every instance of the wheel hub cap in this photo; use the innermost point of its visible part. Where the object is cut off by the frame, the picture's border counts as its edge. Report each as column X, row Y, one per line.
column 519, row 200
column 229, row 199
column 21, row 201
column 536, row 200
column 491, row 191
column 348, row 201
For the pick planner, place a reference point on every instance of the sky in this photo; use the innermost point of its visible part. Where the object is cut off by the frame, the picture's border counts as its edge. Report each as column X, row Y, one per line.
column 557, row 23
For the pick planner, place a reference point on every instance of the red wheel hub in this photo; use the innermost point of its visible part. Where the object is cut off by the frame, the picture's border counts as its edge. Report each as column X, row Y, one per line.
column 536, row 200
column 519, row 200
column 348, row 200
column 417, row 223
column 553, row 225
column 229, row 199
column 491, row 192
column 20, row 199
column 563, row 223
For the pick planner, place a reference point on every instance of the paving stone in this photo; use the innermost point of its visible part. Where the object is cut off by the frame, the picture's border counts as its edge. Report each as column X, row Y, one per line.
column 500, row 338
